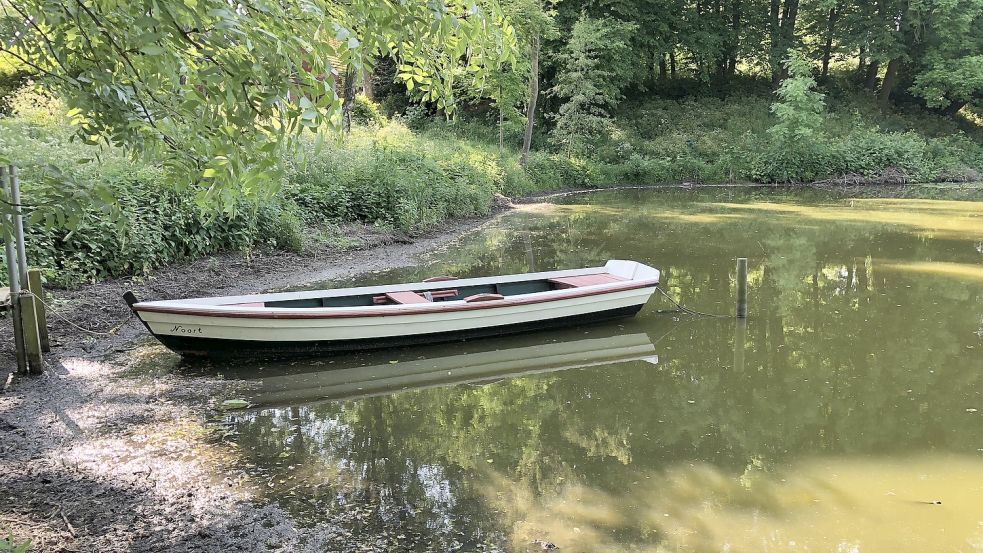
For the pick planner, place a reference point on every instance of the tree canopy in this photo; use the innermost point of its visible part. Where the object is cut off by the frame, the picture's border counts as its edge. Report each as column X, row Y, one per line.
column 221, row 90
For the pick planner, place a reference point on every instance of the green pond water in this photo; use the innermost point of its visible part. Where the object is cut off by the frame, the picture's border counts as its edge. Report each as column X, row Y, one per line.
column 846, row 415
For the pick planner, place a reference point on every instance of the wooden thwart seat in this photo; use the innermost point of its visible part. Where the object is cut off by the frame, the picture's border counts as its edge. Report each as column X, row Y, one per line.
column 412, row 297
column 406, row 297
column 585, row 280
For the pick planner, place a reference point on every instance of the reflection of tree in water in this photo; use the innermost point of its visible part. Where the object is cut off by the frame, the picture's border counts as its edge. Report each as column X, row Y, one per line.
column 840, row 358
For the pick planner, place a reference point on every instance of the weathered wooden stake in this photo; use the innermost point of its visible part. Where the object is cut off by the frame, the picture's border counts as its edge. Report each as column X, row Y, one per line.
column 32, row 342
column 18, row 220
column 34, row 285
column 13, row 275
column 742, row 287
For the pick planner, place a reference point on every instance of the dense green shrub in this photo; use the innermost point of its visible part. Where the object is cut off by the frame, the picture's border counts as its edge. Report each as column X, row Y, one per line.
column 557, row 171
column 367, row 112
column 394, row 177
column 156, row 223
column 13, row 76
column 871, row 154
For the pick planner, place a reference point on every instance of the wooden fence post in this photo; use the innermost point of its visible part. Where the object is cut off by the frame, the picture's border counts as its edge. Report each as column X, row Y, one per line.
column 34, row 285
column 13, row 275
column 32, row 342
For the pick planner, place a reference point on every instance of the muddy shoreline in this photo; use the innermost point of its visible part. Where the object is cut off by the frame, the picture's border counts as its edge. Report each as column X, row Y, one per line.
column 97, row 455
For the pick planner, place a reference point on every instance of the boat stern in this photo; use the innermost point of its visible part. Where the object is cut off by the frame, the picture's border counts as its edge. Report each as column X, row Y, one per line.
column 632, row 270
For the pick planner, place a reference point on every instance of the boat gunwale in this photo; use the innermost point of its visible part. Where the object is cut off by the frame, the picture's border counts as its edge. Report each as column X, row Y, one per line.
column 229, row 311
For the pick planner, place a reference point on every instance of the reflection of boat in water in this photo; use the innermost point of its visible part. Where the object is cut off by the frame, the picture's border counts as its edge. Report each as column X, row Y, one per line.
column 483, row 366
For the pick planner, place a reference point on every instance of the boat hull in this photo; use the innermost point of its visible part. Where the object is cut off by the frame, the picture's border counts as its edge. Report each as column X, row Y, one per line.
column 313, row 322
column 214, row 347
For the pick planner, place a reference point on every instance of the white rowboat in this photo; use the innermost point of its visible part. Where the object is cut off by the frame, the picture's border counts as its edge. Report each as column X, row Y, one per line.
column 437, row 310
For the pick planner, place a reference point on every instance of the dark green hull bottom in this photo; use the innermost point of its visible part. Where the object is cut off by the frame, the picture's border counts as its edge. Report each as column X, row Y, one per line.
column 213, row 347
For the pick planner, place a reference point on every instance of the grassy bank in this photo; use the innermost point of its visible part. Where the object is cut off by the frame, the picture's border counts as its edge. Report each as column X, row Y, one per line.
column 705, row 139
column 409, row 174
column 382, row 174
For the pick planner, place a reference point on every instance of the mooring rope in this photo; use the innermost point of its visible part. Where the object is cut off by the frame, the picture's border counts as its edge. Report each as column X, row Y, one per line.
column 682, row 308
column 112, row 331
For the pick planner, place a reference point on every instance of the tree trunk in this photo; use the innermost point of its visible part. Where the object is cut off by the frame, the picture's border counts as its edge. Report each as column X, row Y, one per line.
column 870, row 82
column 672, row 64
column 887, row 87
column 735, row 29
column 368, row 88
column 533, row 97
column 954, row 108
column 774, row 28
column 862, row 62
column 349, row 100
column 663, row 68
column 784, row 31
column 828, row 47
column 501, row 123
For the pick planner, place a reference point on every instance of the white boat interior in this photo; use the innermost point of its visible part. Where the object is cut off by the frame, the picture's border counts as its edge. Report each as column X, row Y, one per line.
column 435, row 290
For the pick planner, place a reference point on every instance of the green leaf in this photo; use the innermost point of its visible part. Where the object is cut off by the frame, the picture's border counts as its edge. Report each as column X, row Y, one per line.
column 230, row 404
column 152, row 49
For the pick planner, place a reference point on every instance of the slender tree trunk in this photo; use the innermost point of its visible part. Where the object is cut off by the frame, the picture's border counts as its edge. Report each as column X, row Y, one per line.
column 774, row 33
column 834, row 13
column 349, row 100
column 533, row 97
column 672, row 64
column 862, row 62
column 368, row 88
column 663, row 68
column 783, row 33
column 788, row 29
column 887, row 87
column 870, row 82
column 501, row 122
column 735, row 29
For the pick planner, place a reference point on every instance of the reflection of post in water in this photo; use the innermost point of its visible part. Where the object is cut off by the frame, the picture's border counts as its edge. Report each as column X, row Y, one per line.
column 741, row 287
column 740, row 336
column 530, row 254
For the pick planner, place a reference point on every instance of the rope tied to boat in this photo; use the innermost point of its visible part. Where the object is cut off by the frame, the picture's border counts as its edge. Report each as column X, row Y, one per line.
column 680, row 308
column 55, row 312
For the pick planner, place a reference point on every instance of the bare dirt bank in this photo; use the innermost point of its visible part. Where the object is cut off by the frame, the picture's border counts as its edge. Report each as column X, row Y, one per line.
column 98, row 456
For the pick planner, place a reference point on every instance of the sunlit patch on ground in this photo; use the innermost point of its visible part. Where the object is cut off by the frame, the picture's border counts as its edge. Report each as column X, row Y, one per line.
column 928, row 503
column 542, row 207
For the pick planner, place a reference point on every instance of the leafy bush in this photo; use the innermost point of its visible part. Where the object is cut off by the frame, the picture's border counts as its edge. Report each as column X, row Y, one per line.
column 594, row 68
column 367, row 112
column 557, row 171
column 800, row 108
column 394, row 177
column 12, row 545
column 156, row 223
column 13, row 76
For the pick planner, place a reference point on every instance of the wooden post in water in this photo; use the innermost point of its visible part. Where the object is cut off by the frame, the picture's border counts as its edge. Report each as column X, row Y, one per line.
column 34, row 285
column 741, row 287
